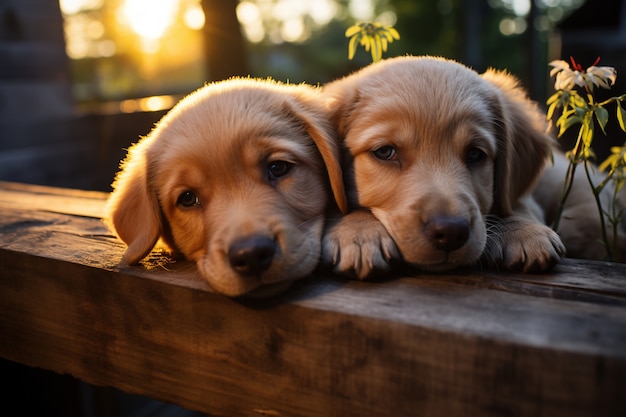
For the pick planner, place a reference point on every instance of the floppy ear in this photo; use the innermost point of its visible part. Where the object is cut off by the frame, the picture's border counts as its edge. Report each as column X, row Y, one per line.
column 342, row 98
column 325, row 140
column 524, row 145
column 132, row 210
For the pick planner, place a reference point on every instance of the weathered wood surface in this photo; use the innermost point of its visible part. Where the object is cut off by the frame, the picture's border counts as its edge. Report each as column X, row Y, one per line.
column 471, row 343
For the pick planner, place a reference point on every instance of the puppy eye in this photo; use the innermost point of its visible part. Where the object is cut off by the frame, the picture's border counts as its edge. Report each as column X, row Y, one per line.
column 278, row 169
column 386, row 153
column 188, row 199
column 474, row 156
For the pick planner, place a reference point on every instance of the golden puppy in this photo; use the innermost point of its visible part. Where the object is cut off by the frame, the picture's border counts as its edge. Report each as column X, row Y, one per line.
column 236, row 177
column 443, row 158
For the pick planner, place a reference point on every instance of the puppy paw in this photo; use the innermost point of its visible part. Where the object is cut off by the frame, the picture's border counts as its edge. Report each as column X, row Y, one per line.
column 358, row 245
column 529, row 246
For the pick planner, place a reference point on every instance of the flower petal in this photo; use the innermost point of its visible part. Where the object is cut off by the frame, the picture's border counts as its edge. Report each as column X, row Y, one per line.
column 352, row 45
column 602, row 75
column 559, row 64
column 352, row 30
column 393, row 32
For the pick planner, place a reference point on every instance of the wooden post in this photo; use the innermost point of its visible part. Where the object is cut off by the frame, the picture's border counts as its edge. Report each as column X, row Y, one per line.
column 224, row 42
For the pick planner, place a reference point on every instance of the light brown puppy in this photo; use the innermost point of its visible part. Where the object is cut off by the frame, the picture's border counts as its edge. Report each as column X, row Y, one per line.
column 236, row 177
column 443, row 158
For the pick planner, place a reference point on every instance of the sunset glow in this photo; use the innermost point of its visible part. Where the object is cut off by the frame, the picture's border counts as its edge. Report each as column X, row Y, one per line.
column 149, row 19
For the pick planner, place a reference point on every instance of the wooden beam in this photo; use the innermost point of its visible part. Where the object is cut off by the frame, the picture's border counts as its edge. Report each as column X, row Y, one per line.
column 465, row 343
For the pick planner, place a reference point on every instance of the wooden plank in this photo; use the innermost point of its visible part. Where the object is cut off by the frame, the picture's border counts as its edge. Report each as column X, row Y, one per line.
column 468, row 343
column 33, row 198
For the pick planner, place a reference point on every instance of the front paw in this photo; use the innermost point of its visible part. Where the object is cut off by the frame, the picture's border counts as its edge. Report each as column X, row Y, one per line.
column 358, row 245
column 529, row 246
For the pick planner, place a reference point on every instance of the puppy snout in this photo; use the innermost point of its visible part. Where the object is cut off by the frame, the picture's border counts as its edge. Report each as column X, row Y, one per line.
column 251, row 255
column 447, row 233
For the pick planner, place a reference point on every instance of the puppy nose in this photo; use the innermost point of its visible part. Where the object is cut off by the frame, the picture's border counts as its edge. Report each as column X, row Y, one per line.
column 251, row 255
column 447, row 233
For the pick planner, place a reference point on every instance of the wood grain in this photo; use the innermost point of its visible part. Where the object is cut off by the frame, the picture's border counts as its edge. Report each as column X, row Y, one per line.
column 468, row 343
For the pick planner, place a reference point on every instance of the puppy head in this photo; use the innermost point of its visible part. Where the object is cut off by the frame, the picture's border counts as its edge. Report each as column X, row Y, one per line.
column 235, row 177
column 431, row 148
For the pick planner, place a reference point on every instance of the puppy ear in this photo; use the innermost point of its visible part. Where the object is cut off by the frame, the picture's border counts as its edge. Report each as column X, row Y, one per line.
column 342, row 98
column 524, row 144
column 325, row 140
column 132, row 211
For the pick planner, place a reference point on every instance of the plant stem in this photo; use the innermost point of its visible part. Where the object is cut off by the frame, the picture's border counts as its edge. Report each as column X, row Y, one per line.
column 614, row 218
column 612, row 99
column 569, row 181
column 596, row 195
column 567, row 187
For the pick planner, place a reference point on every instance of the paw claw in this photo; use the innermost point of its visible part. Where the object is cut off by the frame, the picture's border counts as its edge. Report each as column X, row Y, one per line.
column 360, row 245
column 531, row 248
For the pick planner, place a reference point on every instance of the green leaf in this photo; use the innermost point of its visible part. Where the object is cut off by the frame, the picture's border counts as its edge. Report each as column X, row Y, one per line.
column 587, row 133
column 577, row 100
column 554, row 97
column 621, row 116
column 602, row 115
column 581, row 111
column 567, row 120
column 551, row 110
column 611, row 161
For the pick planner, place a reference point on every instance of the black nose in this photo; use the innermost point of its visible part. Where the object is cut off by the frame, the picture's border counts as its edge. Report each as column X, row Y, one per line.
column 447, row 233
column 251, row 255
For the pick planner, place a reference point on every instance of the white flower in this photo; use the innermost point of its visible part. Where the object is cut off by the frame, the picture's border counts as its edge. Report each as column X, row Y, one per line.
column 566, row 78
column 559, row 65
column 601, row 75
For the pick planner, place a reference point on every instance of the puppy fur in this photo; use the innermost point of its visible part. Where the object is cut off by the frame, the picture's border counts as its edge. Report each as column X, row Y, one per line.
column 580, row 227
column 439, row 160
column 236, row 177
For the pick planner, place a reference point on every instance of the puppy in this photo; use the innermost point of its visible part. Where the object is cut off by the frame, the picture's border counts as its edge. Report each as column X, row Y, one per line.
column 579, row 227
column 236, row 177
column 439, row 160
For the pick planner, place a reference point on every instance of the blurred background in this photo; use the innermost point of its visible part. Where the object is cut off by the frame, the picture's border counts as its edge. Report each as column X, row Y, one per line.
column 80, row 80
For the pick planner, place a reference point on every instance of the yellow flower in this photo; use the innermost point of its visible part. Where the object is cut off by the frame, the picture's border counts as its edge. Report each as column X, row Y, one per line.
column 371, row 35
column 616, row 159
column 567, row 78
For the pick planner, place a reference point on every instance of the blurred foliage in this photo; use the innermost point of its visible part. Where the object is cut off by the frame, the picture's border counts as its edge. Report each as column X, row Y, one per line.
column 298, row 40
